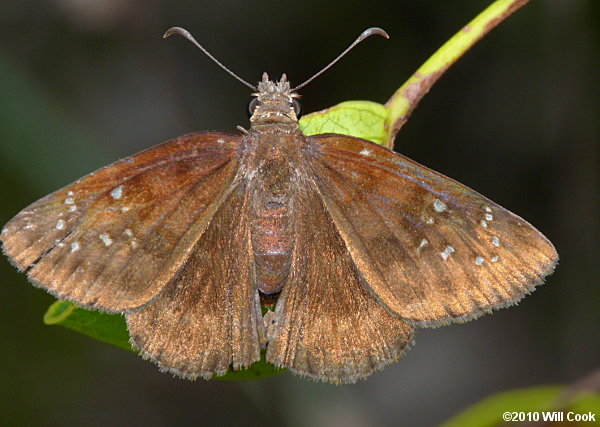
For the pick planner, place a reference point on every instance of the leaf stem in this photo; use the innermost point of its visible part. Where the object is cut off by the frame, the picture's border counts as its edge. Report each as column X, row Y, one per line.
column 407, row 97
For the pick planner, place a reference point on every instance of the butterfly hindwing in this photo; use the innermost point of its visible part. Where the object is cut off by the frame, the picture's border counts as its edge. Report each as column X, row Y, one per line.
column 430, row 249
column 208, row 316
column 326, row 324
column 114, row 238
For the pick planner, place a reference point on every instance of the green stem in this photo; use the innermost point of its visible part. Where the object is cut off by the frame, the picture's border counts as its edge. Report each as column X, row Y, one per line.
column 405, row 99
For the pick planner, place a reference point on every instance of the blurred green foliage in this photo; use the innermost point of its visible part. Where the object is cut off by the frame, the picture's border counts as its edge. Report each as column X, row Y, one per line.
column 488, row 412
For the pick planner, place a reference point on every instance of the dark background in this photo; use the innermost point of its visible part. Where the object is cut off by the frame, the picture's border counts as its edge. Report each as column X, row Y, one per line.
column 83, row 83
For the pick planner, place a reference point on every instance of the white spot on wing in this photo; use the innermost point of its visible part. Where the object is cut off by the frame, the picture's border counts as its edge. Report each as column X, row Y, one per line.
column 364, row 152
column 494, row 259
column 70, row 193
column 74, row 247
column 106, row 239
column 447, row 252
column 489, row 217
column 124, row 209
column 117, row 192
column 424, row 243
column 60, row 224
column 483, row 223
column 439, row 206
column 429, row 221
column 72, row 208
column 69, row 201
column 128, row 232
column 495, row 241
column 488, row 209
column 134, row 244
column 479, row 260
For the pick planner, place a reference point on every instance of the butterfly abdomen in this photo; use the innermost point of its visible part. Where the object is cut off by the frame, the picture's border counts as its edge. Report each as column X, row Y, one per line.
column 271, row 232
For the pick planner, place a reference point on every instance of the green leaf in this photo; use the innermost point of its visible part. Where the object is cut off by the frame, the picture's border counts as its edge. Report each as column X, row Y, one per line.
column 109, row 328
column 112, row 329
column 362, row 119
column 260, row 369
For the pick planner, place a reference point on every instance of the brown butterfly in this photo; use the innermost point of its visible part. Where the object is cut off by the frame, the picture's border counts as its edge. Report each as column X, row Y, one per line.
column 354, row 245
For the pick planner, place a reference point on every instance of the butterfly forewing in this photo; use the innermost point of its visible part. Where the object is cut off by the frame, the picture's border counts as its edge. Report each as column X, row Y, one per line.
column 208, row 316
column 326, row 324
column 115, row 237
column 431, row 249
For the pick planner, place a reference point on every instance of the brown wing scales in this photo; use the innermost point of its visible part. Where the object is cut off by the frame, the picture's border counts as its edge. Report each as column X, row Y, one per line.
column 327, row 325
column 430, row 249
column 113, row 239
column 380, row 244
column 208, row 317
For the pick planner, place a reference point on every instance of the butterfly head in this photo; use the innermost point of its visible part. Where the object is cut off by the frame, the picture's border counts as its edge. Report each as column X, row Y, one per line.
column 274, row 103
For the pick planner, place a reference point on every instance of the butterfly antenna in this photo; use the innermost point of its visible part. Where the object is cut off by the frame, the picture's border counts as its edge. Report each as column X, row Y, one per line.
column 367, row 33
column 185, row 33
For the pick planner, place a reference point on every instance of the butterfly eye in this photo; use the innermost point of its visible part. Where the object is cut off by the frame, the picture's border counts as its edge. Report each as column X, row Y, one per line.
column 252, row 104
column 297, row 108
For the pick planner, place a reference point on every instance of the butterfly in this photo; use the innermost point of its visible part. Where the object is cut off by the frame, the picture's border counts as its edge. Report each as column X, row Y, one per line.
column 351, row 247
